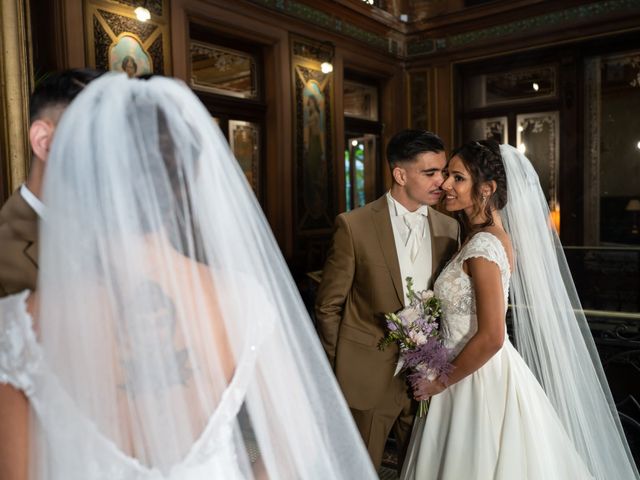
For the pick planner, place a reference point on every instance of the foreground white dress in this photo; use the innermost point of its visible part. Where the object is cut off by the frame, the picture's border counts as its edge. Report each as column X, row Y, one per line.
column 64, row 428
column 497, row 423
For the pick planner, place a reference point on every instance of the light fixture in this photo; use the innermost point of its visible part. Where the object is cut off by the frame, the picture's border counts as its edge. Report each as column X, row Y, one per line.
column 536, row 87
column 354, row 143
column 142, row 14
column 638, row 146
column 522, row 148
column 326, row 67
column 520, row 128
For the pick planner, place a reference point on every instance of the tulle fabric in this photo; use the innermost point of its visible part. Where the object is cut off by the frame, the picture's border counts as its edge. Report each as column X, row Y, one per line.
column 169, row 318
column 551, row 330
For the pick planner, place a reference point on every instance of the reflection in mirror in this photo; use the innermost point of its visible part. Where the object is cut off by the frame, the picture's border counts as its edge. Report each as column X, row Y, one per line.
column 538, row 138
column 222, row 70
column 613, row 149
column 244, row 139
column 360, row 100
column 490, row 128
column 511, row 86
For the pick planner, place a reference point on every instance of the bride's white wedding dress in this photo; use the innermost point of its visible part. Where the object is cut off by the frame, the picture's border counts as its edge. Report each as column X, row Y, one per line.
column 64, row 428
column 496, row 423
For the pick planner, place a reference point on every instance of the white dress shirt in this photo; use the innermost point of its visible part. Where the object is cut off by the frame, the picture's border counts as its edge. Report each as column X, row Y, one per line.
column 33, row 201
column 414, row 262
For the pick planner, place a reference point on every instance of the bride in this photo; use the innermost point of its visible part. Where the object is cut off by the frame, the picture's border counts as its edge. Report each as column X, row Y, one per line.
column 551, row 418
column 167, row 339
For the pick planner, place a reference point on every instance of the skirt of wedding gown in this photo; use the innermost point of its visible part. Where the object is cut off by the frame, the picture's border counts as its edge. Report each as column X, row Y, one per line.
column 495, row 424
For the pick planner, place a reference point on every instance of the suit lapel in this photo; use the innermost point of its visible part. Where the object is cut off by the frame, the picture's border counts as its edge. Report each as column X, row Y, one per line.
column 384, row 230
column 23, row 220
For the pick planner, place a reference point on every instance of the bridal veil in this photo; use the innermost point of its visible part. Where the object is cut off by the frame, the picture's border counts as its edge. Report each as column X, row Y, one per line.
column 551, row 330
column 168, row 315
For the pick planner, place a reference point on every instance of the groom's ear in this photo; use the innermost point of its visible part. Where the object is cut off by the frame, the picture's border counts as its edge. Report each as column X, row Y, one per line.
column 399, row 175
column 40, row 138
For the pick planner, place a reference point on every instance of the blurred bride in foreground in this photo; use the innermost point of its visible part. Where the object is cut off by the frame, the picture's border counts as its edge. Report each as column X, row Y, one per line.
column 171, row 341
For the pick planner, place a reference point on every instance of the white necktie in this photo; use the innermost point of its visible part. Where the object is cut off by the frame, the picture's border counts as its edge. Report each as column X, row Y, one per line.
column 415, row 223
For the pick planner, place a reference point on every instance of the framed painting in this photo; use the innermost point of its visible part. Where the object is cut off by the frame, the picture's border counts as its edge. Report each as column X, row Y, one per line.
column 117, row 41
column 314, row 142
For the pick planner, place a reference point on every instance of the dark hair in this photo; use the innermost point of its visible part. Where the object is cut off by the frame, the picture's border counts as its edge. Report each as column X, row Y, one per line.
column 167, row 171
column 59, row 89
column 405, row 145
column 483, row 161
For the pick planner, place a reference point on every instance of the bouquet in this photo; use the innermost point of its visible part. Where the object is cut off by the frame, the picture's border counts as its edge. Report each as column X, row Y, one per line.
column 415, row 329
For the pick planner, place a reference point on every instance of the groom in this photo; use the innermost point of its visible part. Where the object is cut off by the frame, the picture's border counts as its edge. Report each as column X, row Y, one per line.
column 19, row 215
column 375, row 248
column 19, row 238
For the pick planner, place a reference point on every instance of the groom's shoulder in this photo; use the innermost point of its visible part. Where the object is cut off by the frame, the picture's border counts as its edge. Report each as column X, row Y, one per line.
column 443, row 220
column 364, row 213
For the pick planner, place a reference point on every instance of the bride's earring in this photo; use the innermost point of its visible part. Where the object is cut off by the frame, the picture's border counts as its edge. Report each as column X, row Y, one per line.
column 484, row 200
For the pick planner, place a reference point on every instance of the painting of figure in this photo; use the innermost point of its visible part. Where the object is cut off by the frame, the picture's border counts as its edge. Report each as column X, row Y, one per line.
column 127, row 55
column 315, row 171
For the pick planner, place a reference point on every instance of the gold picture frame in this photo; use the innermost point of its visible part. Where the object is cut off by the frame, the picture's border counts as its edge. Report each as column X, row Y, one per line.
column 113, row 33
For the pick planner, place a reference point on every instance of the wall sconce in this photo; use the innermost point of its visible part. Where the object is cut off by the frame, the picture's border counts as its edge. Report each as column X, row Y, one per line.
column 142, row 13
column 634, row 207
column 326, row 67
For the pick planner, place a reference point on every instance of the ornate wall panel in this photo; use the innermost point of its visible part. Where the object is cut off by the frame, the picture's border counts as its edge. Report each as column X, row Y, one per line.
column 314, row 142
column 118, row 41
column 418, row 108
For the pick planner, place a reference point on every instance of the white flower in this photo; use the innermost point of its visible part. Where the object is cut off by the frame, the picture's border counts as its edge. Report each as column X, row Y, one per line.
column 425, row 295
column 409, row 315
column 418, row 338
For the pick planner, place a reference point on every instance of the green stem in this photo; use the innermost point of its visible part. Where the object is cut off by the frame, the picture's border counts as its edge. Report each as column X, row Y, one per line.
column 423, row 407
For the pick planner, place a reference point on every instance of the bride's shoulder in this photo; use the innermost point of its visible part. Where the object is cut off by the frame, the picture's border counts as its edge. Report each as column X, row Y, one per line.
column 492, row 241
column 16, row 305
column 18, row 345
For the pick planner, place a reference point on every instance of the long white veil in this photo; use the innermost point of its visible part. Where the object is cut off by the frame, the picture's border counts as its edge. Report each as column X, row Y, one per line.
column 551, row 330
column 169, row 319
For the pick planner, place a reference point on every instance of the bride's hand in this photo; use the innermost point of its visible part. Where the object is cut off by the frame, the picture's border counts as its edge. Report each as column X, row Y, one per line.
column 423, row 389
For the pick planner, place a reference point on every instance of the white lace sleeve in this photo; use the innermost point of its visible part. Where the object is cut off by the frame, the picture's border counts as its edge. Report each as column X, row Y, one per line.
column 19, row 350
column 488, row 246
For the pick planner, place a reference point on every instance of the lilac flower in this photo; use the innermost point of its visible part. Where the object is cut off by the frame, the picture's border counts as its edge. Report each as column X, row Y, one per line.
column 416, row 330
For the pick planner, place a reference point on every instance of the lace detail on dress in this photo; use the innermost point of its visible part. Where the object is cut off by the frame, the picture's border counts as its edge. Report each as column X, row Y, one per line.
column 455, row 290
column 19, row 352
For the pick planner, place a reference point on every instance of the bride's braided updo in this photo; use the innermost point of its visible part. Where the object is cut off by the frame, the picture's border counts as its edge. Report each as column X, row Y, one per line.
column 483, row 161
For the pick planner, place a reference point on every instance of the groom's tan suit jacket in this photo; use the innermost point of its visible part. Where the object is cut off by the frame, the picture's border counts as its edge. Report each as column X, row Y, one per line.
column 360, row 283
column 18, row 246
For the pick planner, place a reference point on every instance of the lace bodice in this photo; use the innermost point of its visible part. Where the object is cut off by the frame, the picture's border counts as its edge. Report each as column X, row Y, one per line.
column 64, row 426
column 19, row 351
column 455, row 290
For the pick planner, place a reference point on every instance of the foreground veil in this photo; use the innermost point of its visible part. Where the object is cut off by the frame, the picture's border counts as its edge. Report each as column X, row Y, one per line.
column 551, row 330
column 169, row 319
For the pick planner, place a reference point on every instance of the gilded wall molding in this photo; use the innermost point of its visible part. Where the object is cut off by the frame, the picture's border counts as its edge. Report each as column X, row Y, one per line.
column 423, row 45
column 15, row 71
column 335, row 24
